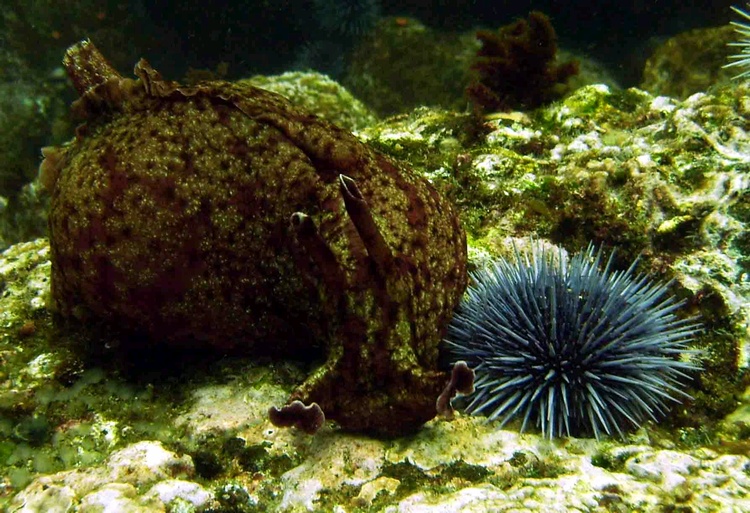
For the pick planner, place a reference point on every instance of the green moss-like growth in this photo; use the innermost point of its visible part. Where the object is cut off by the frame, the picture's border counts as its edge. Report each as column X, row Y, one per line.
column 465, row 471
column 611, row 459
column 740, row 210
column 515, row 66
column 319, row 94
column 230, row 456
column 411, row 477
column 533, row 467
column 449, row 477
column 718, row 386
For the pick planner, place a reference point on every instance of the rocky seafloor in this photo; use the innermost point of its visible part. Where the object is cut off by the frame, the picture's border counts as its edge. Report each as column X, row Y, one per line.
column 85, row 426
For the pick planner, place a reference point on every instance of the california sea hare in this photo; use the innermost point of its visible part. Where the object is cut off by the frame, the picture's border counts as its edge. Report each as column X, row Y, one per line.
column 223, row 215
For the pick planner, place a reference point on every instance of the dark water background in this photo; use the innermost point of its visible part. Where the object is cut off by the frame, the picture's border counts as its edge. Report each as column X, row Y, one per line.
column 265, row 37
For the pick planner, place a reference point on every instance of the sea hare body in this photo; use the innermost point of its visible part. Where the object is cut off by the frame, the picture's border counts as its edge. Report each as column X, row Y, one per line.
column 222, row 215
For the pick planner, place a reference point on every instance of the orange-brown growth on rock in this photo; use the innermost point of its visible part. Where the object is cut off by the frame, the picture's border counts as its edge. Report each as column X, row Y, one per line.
column 515, row 67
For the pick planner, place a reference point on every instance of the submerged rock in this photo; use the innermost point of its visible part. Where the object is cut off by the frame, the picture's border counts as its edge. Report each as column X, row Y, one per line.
column 320, row 94
column 690, row 62
column 654, row 176
column 118, row 485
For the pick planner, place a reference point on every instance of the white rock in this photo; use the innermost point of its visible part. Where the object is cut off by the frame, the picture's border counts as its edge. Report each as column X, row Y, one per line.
column 468, row 500
column 44, row 499
column 669, row 468
column 147, row 462
column 173, row 489
column 117, row 498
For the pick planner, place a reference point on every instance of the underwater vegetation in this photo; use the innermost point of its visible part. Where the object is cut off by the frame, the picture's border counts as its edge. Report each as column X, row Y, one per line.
column 741, row 59
column 516, row 66
column 568, row 347
column 221, row 215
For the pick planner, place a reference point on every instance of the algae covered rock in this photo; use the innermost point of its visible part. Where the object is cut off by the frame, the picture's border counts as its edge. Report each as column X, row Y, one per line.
column 115, row 485
column 405, row 64
column 689, row 62
column 220, row 215
column 654, row 178
column 319, row 94
column 622, row 153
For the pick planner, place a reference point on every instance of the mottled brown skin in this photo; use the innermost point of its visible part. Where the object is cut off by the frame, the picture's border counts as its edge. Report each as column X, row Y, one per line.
column 221, row 214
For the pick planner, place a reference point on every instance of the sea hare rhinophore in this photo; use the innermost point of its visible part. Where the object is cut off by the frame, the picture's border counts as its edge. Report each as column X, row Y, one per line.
column 222, row 215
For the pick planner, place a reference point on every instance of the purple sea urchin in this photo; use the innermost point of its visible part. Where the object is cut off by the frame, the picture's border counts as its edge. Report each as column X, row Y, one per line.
column 741, row 59
column 568, row 347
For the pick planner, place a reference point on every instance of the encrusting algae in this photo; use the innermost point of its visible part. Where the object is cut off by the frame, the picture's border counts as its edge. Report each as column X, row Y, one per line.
column 219, row 214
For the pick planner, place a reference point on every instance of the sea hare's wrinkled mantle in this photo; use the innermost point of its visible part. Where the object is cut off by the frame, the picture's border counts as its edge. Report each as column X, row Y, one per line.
column 221, row 214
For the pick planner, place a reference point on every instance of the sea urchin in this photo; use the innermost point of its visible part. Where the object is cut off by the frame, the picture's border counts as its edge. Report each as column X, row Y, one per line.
column 741, row 58
column 569, row 347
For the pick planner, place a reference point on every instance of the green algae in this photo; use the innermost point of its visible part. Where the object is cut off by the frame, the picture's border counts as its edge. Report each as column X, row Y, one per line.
column 319, row 94
column 689, row 62
column 626, row 170
column 531, row 466
column 612, row 459
column 411, row 479
column 228, row 456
